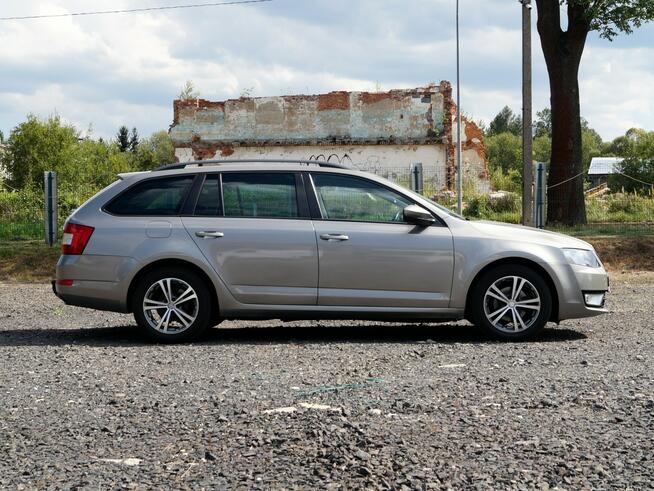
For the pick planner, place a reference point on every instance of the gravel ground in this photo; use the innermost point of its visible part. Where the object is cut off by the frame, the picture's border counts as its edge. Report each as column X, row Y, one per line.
column 87, row 403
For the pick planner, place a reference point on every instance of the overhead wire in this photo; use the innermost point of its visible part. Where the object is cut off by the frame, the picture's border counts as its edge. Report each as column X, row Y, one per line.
column 135, row 10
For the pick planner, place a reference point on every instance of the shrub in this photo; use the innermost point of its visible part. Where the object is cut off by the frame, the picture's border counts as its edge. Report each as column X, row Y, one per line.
column 627, row 203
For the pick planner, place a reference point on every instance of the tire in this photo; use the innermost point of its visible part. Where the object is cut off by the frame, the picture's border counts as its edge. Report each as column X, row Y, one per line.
column 184, row 318
column 495, row 307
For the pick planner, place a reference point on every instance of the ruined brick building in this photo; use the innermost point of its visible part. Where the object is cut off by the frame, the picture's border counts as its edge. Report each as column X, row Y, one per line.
column 383, row 132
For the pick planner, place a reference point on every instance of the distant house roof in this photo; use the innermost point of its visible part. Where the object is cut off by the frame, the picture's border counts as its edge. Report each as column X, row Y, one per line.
column 604, row 165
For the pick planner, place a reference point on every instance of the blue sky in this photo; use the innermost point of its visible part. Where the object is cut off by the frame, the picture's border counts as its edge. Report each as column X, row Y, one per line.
column 104, row 71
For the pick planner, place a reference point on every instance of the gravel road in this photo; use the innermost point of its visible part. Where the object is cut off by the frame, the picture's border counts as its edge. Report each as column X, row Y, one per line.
column 87, row 403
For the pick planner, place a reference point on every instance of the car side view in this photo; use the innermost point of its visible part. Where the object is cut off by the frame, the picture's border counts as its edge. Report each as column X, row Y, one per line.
column 189, row 245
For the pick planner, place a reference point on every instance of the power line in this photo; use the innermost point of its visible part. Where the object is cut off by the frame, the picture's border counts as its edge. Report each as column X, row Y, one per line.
column 127, row 11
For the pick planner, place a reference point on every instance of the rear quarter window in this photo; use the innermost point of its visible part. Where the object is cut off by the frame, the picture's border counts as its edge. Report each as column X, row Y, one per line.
column 152, row 197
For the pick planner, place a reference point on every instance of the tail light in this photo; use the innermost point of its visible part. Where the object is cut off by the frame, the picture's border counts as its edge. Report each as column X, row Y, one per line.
column 75, row 238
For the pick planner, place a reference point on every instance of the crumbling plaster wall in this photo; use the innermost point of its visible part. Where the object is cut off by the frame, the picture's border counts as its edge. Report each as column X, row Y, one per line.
column 374, row 131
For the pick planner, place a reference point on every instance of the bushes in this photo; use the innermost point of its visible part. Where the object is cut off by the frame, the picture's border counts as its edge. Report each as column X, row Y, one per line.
column 21, row 212
column 506, row 207
column 621, row 208
column 511, row 181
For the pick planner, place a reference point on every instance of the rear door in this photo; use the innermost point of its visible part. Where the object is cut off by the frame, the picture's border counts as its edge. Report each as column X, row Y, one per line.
column 255, row 230
column 368, row 255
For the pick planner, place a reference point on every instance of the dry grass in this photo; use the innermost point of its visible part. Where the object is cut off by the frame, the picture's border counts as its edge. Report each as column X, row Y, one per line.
column 27, row 261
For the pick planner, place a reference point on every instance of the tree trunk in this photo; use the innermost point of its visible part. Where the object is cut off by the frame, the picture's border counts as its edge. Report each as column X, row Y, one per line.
column 565, row 193
column 563, row 50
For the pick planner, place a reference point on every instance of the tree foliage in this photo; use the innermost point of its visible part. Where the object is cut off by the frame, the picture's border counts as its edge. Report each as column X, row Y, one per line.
column 35, row 146
column 504, row 151
column 154, row 152
column 612, row 17
column 122, row 139
column 637, row 168
column 133, row 140
column 188, row 92
column 506, row 121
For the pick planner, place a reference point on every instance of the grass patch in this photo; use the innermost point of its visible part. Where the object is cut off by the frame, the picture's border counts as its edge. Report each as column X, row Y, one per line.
column 27, row 260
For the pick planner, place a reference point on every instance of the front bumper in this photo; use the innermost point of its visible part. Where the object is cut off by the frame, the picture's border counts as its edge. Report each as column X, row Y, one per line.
column 576, row 282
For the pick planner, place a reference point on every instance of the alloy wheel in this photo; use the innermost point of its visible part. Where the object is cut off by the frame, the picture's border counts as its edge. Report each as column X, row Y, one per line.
column 512, row 304
column 170, row 305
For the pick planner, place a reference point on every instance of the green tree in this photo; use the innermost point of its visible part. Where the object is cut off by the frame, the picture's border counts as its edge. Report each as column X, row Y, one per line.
column 188, row 92
column 638, row 166
column 504, row 151
column 153, row 152
column 542, row 147
column 35, row 146
column 122, row 138
column 133, row 140
column 543, row 123
column 505, row 122
column 563, row 51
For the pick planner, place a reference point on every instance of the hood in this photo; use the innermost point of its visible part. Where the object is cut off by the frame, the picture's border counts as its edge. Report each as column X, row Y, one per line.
column 528, row 234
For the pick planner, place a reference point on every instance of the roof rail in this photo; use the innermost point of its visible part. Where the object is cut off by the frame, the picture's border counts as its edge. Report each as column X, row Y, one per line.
column 203, row 163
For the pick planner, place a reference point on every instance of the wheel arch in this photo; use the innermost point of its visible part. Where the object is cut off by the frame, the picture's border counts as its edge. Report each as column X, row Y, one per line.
column 180, row 263
column 523, row 262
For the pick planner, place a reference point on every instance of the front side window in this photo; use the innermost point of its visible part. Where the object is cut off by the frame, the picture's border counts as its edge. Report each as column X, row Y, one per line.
column 153, row 197
column 262, row 195
column 354, row 199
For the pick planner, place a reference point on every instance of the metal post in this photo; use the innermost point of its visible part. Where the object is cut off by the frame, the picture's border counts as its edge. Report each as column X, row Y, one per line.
column 459, row 174
column 417, row 178
column 539, row 209
column 50, row 214
column 527, row 164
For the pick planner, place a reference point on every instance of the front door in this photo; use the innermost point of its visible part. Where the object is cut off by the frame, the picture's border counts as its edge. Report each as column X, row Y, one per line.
column 369, row 256
column 250, row 227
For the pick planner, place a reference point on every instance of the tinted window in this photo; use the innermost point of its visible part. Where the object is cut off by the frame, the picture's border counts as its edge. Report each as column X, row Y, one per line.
column 160, row 197
column 208, row 203
column 350, row 198
column 260, row 195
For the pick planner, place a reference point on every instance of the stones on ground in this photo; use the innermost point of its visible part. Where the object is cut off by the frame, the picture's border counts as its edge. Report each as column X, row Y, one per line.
column 516, row 416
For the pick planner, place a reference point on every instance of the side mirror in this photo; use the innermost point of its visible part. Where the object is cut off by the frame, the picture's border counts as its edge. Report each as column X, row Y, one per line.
column 418, row 216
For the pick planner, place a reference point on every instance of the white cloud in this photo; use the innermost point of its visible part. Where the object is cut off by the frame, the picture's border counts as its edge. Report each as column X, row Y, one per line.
column 126, row 69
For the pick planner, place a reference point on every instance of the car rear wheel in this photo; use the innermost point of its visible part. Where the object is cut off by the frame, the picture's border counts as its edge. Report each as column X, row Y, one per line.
column 172, row 305
column 511, row 302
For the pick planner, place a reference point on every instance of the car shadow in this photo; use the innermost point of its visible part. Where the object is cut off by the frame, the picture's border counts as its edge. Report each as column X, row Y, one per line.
column 343, row 333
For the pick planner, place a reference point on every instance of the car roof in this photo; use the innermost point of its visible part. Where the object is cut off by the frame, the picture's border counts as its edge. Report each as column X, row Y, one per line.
column 249, row 162
column 244, row 165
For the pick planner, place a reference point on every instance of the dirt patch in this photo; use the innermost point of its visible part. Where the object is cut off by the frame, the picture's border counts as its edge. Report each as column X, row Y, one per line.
column 625, row 253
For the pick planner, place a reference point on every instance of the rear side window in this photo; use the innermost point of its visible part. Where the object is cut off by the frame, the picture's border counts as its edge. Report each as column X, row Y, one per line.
column 208, row 204
column 263, row 195
column 153, row 197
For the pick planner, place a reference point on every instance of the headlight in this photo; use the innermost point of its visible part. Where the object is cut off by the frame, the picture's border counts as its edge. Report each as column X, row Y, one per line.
column 582, row 257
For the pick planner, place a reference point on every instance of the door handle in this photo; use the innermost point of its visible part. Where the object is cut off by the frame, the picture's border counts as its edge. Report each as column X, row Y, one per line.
column 209, row 234
column 337, row 237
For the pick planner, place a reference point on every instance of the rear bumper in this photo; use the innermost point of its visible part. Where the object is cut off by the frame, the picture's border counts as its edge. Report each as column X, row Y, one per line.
column 99, row 295
column 98, row 282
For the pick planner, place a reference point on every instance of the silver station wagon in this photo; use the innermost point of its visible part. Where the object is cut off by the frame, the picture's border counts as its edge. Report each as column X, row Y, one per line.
column 189, row 245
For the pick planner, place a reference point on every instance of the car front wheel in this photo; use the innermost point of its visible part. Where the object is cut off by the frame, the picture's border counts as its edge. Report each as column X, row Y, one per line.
column 172, row 305
column 511, row 302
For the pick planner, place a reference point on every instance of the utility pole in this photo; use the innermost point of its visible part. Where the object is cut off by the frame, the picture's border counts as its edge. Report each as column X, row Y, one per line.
column 527, row 165
column 459, row 173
